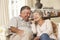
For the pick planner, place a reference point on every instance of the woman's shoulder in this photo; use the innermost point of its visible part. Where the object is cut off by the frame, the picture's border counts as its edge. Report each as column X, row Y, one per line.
column 47, row 20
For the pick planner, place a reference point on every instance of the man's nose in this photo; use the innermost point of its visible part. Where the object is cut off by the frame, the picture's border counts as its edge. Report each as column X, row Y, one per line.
column 28, row 14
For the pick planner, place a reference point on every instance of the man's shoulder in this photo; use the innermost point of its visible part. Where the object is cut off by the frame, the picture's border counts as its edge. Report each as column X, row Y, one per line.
column 16, row 18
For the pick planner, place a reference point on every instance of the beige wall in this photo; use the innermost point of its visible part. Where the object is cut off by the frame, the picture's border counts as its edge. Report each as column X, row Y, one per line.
column 30, row 3
column 3, row 12
column 56, row 19
column 51, row 3
column 46, row 3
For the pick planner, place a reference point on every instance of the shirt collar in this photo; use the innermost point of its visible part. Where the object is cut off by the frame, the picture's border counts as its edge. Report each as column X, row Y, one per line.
column 20, row 17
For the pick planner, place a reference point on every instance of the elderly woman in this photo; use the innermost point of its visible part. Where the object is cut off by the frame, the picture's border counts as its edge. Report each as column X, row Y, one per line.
column 43, row 28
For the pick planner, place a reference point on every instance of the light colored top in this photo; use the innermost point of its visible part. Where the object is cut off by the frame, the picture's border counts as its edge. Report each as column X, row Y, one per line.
column 46, row 27
column 19, row 23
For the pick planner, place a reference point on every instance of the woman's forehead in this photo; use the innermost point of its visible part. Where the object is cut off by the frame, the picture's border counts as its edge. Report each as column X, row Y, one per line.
column 36, row 13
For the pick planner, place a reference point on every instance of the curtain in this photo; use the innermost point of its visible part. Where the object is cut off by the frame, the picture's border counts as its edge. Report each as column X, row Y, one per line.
column 15, row 6
column 9, row 9
column 4, row 12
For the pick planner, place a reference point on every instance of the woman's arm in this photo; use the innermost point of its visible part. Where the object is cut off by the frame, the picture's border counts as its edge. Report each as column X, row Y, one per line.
column 33, row 27
column 49, row 29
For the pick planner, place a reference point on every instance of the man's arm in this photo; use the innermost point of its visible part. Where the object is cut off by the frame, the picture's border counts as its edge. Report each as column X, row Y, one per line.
column 13, row 26
column 16, row 30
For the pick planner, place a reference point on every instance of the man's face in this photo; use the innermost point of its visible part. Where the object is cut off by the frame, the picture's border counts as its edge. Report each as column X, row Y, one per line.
column 26, row 14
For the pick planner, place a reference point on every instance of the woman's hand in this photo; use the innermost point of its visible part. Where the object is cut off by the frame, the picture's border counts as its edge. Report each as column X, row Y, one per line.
column 36, row 38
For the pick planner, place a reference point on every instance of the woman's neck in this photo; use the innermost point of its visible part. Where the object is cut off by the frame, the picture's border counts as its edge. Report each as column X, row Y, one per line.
column 40, row 21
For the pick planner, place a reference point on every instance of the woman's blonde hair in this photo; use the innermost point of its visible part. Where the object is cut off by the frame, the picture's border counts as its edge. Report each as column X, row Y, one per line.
column 38, row 11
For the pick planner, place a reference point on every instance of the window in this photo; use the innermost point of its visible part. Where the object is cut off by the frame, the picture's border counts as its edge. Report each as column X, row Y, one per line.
column 14, row 7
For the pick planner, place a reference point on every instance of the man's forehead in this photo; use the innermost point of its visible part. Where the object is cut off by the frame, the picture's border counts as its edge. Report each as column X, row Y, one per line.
column 26, row 10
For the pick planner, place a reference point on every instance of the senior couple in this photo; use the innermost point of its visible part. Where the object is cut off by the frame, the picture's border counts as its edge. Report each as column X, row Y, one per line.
column 23, row 29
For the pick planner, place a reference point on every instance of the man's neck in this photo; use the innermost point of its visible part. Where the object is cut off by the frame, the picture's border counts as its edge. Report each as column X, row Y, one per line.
column 23, row 18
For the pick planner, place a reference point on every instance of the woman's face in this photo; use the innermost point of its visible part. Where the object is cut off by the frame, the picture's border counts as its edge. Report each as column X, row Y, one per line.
column 36, row 16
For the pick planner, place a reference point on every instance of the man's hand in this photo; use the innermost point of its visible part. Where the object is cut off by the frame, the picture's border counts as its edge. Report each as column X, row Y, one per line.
column 16, row 30
column 20, row 32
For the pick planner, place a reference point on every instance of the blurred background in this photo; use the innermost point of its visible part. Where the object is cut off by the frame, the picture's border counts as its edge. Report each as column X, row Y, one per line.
column 11, row 8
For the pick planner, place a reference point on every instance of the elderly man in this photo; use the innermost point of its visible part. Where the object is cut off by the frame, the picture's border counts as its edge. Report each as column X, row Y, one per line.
column 20, row 26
